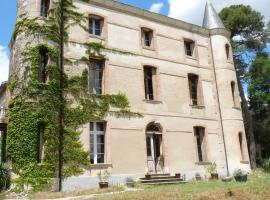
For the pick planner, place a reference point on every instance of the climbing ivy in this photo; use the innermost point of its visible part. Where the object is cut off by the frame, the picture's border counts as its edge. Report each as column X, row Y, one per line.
column 34, row 103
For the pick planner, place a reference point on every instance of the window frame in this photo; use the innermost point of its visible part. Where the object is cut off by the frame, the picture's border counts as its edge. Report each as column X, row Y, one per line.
column 96, row 18
column 92, row 88
column 201, row 147
column 192, row 46
column 95, row 133
column 43, row 63
column 44, row 11
column 228, row 51
column 41, row 141
column 194, row 101
column 151, row 34
column 153, row 83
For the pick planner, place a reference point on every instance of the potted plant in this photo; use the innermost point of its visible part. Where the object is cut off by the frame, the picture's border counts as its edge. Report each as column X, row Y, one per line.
column 147, row 176
column 130, row 182
column 4, row 177
column 212, row 170
column 103, row 179
column 177, row 175
column 198, row 176
column 240, row 175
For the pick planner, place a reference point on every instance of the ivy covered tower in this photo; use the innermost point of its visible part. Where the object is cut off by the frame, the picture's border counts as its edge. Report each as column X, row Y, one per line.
column 228, row 94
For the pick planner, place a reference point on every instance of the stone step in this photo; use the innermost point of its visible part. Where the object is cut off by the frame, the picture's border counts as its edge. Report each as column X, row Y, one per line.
column 159, row 177
column 166, row 174
column 161, row 180
column 165, row 183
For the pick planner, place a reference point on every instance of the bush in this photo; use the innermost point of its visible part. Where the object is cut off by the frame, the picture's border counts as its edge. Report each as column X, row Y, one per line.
column 4, row 177
column 266, row 165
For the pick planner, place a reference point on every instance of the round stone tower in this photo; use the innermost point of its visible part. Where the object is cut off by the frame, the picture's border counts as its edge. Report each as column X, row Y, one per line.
column 231, row 118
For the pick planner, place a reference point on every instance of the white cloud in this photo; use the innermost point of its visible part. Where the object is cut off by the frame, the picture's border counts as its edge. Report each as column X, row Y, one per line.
column 4, row 64
column 156, row 7
column 192, row 10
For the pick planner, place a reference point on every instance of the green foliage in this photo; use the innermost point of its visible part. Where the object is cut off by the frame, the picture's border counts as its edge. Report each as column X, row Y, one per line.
column 266, row 165
column 259, row 100
column 212, row 168
column 4, row 177
column 34, row 102
column 103, row 176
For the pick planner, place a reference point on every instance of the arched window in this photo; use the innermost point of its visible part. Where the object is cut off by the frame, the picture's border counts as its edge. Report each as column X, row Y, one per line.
column 228, row 50
column 240, row 137
column 154, row 127
column 233, row 92
column 44, row 8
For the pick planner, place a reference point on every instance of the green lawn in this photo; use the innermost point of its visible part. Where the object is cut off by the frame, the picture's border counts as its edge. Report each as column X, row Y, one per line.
column 257, row 187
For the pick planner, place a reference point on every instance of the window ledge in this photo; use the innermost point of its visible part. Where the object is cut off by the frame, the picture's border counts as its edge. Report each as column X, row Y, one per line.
column 236, row 108
column 96, row 37
column 100, row 166
column 244, row 161
column 191, row 57
column 203, row 163
column 149, row 48
column 152, row 101
column 197, row 106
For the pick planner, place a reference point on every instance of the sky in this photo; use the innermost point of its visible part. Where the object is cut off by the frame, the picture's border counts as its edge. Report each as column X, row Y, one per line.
column 187, row 10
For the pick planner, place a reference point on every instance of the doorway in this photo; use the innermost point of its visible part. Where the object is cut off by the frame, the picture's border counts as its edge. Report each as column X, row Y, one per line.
column 154, row 148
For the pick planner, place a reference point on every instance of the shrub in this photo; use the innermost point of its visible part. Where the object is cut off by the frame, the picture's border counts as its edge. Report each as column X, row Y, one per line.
column 266, row 165
column 239, row 172
column 4, row 177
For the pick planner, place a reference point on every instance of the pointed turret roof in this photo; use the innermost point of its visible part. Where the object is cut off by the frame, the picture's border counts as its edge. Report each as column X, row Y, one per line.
column 211, row 19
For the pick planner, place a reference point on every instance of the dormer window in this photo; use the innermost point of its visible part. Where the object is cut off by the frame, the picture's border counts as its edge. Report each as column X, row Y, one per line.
column 44, row 8
column 95, row 25
column 189, row 47
column 147, row 37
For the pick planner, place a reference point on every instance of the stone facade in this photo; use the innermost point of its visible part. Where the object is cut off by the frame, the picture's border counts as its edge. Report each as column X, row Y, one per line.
column 218, row 110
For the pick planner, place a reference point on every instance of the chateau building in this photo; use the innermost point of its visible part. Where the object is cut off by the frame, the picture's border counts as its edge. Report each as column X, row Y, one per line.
column 181, row 78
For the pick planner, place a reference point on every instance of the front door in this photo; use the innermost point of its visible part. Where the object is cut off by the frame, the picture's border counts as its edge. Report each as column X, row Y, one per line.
column 154, row 153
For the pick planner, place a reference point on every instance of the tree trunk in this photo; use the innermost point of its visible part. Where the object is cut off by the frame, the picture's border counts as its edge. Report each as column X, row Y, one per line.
column 248, row 121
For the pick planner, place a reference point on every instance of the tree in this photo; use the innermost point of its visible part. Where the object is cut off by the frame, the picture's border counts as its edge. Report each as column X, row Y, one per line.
column 259, row 100
column 247, row 24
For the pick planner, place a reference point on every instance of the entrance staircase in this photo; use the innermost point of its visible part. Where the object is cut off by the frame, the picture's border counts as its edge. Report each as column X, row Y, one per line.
column 161, row 179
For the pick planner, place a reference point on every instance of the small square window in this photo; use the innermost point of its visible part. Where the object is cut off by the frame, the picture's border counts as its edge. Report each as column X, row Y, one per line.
column 95, row 25
column 189, row 47
column 147, row 37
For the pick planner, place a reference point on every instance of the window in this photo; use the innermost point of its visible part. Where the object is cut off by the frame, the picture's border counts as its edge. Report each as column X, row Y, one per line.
column 41, row 131
column 45, row 5
column 201, row 143
column 189, row 47
column 96, row 76
column 97, row 142
column 95, row 25
column 43, row 62
column 149, row 73
column 240, row 137
column 147, row 37
column 227, row 48
column 233, row 92
column 193, row 88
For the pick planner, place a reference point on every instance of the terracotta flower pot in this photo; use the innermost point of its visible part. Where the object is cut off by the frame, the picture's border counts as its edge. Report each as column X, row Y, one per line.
column 103, row 185
column 177, row 175
column 147, row 176
column 214, row 176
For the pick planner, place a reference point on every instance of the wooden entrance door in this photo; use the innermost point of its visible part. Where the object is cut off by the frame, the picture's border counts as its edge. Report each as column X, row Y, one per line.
column 154, row 153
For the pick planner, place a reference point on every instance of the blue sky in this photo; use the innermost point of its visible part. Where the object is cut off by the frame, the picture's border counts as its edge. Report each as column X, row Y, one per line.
column 187, row 10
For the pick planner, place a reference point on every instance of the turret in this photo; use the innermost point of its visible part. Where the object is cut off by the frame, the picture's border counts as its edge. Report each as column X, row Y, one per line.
column 232, row 125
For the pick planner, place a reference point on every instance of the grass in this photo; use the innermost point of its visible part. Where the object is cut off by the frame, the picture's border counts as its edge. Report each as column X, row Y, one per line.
column 256, row 188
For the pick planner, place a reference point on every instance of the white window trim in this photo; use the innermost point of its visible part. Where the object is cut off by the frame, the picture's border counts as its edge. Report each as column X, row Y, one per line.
column 95, row 133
